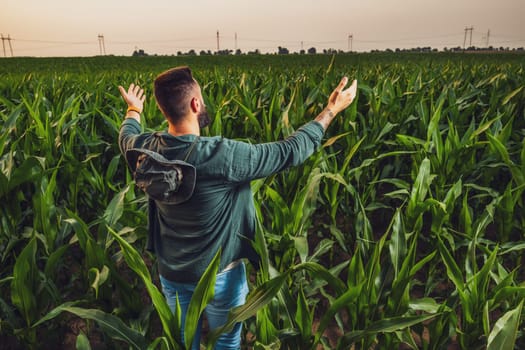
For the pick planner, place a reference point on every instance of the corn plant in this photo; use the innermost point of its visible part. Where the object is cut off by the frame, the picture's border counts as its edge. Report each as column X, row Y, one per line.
column 405, row 229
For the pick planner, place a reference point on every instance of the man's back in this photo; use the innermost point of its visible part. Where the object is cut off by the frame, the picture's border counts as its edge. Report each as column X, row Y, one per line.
column 220, row 214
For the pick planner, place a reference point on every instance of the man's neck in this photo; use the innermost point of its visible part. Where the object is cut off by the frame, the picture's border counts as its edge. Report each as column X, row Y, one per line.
column 184, row 128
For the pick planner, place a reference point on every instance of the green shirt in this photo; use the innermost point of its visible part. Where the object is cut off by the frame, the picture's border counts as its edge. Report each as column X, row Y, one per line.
column 221, row 213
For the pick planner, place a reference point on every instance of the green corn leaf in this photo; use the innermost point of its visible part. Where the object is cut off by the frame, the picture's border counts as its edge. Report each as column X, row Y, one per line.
column 82, row 234
column 356, row 270
column 54, row 260
column 201, row 296
column 480, row 282
column 511, row 95
column 426, row 304
column 322, row 248
column 111, row 171
column 347, row 299
column 333, row 139
column 397, row 244
column 499, row 148
column 82, row 342
column 453, row 271
column 30, row 170
column 386, row 129
column 25, row 282
column 110, row 324
column 406, row 337
column 387, row 325
column 301, row 245
column 397, row 323
column 266, row 331
column 304, row 316
column 508, row 292
column 116, row 207
column 98, row 277
column 434, row 133
column 318, row 271
column 522, row 156
column 170, row 322
column 305, row 203
column 312, row 96
column 249, row 115
column 351, row 154
column 8, row 125
column 504, row 333
column 331, row 65
column 512, row 247
column 421, row 185
column 417, row 266
column 256, row 300
column 160, row 340
column 465, row 216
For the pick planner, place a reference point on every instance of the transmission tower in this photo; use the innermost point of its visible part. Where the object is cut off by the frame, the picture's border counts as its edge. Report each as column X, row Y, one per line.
column 218, row 47
column 350, row 42
column 488, row 35
column 235, row 41
column 101, row 45
column 468, row 29
column 8, row 39
column 3, row 43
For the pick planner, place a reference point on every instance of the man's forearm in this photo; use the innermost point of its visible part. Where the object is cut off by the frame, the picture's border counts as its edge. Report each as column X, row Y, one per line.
column 325, row 118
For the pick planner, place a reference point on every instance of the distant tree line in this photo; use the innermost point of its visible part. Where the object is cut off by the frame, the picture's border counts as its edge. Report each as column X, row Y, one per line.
column 312, row 51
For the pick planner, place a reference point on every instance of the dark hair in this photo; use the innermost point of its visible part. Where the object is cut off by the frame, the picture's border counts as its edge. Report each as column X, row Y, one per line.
column 172, row 89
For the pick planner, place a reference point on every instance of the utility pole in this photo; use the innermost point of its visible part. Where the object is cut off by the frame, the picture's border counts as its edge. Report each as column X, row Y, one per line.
column 218, row 47
column 8, row 39
column 302, row 43
column 3, row 43
column 101, row 45
column 467, row 29
column 350, row 42
column 235, row 41
column 488, row 35
column 10, row 47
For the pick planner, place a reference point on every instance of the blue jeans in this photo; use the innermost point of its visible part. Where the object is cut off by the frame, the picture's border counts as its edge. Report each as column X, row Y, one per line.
column 231, row 289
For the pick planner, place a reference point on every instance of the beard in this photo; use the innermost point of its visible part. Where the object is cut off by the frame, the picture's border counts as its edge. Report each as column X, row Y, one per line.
column 204, row 119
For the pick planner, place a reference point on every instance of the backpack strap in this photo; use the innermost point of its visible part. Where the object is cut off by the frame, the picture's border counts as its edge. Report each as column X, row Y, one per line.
column 191, row 148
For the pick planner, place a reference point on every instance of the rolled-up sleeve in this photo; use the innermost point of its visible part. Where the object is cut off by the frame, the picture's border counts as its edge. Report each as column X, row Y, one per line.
column 130, row 135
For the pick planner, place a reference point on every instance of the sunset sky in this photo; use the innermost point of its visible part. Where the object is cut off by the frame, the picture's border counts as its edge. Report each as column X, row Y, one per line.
column 71, row 28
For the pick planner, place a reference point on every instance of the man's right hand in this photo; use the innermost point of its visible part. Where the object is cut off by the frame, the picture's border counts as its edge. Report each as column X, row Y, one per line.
column 134, row 98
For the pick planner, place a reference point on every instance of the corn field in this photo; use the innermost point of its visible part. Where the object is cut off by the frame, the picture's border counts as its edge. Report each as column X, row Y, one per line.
column 405, row 230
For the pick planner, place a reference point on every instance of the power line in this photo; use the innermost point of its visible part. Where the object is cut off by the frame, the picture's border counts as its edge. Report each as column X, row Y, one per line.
column 54, row 42
column 247, row 42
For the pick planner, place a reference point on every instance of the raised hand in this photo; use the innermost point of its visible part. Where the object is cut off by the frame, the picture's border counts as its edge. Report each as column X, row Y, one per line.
column 134, row 97
column 340, row 99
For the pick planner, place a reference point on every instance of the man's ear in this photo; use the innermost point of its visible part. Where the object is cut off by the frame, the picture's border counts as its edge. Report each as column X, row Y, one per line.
column 194, row 104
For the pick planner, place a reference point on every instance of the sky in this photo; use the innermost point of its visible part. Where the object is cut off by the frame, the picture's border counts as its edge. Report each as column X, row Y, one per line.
column 165, row 27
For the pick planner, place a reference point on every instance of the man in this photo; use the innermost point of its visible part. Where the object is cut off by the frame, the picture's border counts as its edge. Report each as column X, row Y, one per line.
column 220, row 214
